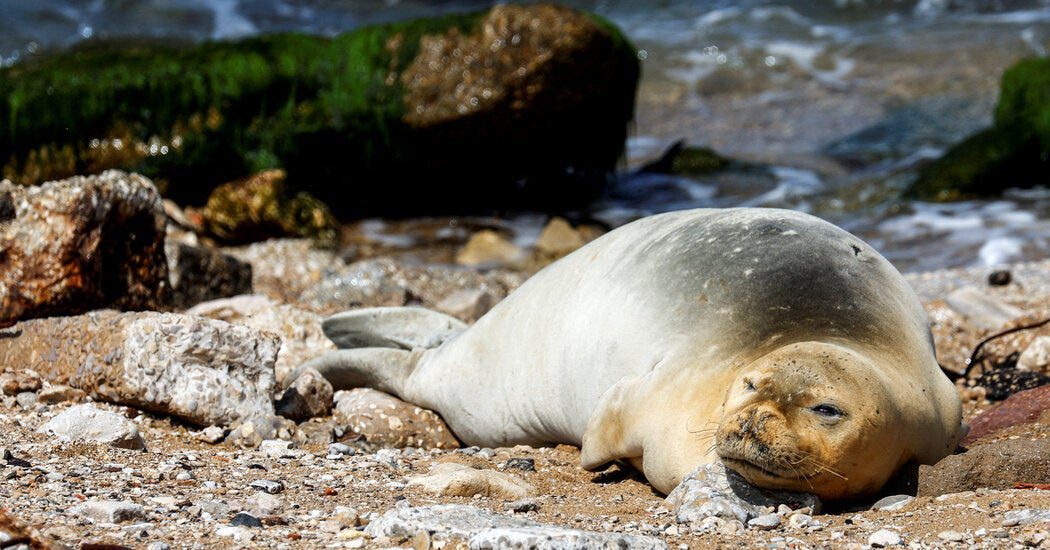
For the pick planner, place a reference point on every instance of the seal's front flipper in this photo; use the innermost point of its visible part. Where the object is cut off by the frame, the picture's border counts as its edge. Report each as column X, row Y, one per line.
column 391, row 327
column 383, row 369
column 610, row 431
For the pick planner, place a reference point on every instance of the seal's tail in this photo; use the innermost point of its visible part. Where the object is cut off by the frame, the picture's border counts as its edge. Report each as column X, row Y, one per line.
column 379, row 347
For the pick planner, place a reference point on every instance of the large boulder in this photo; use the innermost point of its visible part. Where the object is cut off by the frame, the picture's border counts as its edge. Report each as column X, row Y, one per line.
column 513, row 106
column 80, row 244
column 1014, row 152
column 203, row 371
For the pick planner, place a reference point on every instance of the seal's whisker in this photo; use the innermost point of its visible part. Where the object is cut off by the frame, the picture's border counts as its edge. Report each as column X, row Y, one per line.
column 818, row 464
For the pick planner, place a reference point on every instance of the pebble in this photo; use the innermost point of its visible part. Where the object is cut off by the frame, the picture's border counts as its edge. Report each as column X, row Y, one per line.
column 451, row 479
column 765, row 522
column 60, row 394
column 277, row 448
column 892, row 502
column 268, row 486
column 885, row 537
column 244, row 519
column 87, row 423
column 1025, row 516
column 800, row 521
column 108, row 511
column 951, row 536
column 341, row 449
column 211, row 434
column 523, row 464
column 522, row 506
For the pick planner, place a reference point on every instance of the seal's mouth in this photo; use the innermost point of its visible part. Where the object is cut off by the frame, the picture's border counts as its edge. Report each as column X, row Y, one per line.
column 742, row 466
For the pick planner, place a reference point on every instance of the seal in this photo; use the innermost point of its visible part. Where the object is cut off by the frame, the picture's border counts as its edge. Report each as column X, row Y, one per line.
column 768, row 339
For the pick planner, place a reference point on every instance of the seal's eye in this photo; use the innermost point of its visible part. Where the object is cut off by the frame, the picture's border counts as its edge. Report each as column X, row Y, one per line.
column 827, row 410
column 749, row 385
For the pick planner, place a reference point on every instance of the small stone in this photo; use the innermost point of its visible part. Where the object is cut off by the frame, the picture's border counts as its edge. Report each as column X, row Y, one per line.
column 765, row 522
column 254, row 433
column 1036, row 356
column 244, row 519
column 59, row 393
column 14, row 383
column 884, row 537
column 451, row 479
column 268, row 486
column 87, row 423
column 1000, row 277
column 800, row 521
column 523, row 464
column 157, row 545
column 892, row 502
column 184, row 476
column 468, row 304
column 522, row 506
column 309, row 395
column 109, row 511
column 27, row 400
column 487, row 248
column 211, row 434
column 951, row 536
column 265, row 504
column 341, row 449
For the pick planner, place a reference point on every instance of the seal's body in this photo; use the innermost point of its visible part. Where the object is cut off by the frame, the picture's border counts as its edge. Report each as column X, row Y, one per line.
column 769, row 339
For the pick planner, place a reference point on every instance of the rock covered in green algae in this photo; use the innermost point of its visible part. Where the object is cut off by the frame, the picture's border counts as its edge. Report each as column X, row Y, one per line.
column 259, row 208
column 514, row 106
column 1014, row 152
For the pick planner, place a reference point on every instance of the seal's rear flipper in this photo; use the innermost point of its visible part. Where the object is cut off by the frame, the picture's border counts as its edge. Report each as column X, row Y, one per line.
column 391, row 327
column 383, row 369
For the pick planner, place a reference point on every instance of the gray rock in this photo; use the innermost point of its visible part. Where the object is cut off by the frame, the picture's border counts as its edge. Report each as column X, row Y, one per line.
column 253, row 432
column 308, row 396
column 198, row 274
column 884, row 537
column 458, row 480
column 85, row 423
column 550, row 537
column 109, row 511
column 385, row 420
column 765, row 522
column 469, row 304
column 522, row 506
column 951, row 536
column 892, row 502
column 482, row 529
column 341, row 449
column 301, row 336
column 27, row 400
column 244, row 519
column 278, row 448
column 712, row 490
column 203, row 371
column 1024, row 517
column 265, row 504
column 268, row 486
column 211, row 434
column 980, row 309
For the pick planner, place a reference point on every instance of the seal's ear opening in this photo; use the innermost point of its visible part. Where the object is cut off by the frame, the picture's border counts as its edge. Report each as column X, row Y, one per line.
column 609, row 435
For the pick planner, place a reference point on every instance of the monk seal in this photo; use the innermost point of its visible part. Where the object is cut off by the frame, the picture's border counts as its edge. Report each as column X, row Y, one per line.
column 768, row 339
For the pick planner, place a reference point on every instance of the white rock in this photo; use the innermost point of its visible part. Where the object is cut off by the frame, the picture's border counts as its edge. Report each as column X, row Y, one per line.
column 884, row 537
column 765, row 522
column 485, row 530
column 108, row 511
column 450, row 479
column 85, row 423
column 951, row 536
column 1036, row 356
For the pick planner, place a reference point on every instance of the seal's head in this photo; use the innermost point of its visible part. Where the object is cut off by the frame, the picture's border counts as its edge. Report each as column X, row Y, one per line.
column 816, row 418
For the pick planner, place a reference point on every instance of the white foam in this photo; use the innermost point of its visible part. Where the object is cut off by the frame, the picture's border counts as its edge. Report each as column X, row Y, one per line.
column 228, row 22
column 1000, row 250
